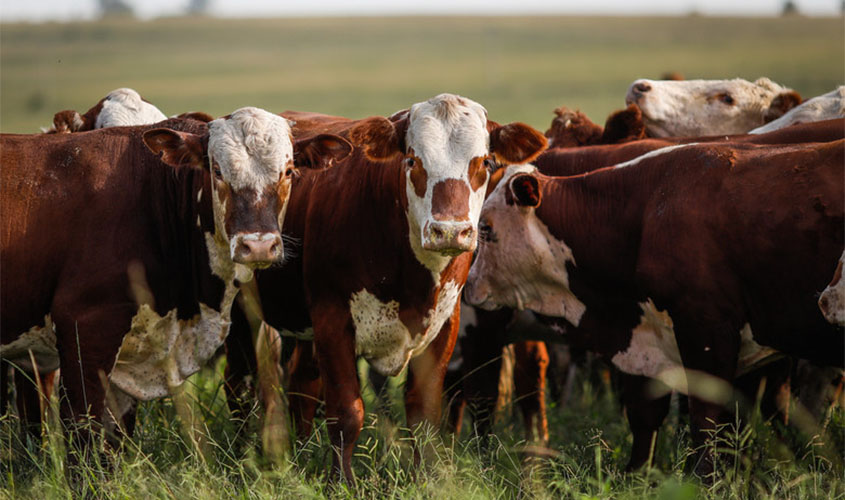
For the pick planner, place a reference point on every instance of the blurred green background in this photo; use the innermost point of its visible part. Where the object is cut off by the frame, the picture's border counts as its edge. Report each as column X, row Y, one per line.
column 519, row 68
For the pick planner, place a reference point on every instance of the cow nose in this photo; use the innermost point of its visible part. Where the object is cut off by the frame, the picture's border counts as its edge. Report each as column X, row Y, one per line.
column 449, row 237
column 823, row 305
column 259, row 249
column 641, row 88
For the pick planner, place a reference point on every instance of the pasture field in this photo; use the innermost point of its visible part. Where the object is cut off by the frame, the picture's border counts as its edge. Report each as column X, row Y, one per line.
column 520, row 69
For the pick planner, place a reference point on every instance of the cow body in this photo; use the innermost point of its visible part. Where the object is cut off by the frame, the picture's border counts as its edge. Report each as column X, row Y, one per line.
column 618, row 237
column 145, row 253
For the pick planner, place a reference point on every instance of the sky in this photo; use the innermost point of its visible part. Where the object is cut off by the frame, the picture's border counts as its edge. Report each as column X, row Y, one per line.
column 65, row 10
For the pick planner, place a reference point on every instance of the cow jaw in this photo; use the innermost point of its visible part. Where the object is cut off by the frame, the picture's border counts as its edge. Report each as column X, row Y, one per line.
column 445, row 135
column 520, row 264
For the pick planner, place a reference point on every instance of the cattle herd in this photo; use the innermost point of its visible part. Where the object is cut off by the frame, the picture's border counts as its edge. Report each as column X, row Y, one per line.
column 690, row 241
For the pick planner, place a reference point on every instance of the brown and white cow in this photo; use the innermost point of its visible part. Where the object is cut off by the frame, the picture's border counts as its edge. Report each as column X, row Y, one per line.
column 401, row 215
column 149, row 232
column 709, row 107
column 120, row 108
column 824, row 107
column 573, row 128
column 590, row 248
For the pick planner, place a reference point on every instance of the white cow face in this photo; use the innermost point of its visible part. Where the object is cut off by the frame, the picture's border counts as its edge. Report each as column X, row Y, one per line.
column 250, row 154
column 447, row 147
column 520, row 264
column 708, row 107
column 832, row 299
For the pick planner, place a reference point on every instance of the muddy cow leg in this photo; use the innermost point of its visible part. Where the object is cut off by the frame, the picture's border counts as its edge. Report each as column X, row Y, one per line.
column 531, row 361
column 305, row 387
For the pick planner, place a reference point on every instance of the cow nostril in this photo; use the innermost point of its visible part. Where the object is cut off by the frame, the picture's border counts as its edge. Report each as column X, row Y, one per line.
column 642, row 87
column 437, row 233
column 466, row 233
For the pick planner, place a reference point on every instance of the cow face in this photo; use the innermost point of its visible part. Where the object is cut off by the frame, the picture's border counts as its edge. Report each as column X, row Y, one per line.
column 708, row 107
column 832, row 299
column 519, row 263
column 251, row 157
column 447, row 147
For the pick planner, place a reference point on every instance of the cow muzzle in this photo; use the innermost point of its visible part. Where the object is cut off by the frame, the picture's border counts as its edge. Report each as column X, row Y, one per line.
column 257, row 249
column 449, row 237
column 636, row 91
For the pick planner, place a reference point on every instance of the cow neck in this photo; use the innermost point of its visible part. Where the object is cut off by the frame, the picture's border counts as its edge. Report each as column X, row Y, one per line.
column 183, row 213
column 598, row 216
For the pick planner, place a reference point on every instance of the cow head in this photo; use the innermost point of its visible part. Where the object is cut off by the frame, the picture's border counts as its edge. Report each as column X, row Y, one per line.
column 519, row 263
column 832, row 299
column 709, row 107
column 447, row 147
column 251, row 156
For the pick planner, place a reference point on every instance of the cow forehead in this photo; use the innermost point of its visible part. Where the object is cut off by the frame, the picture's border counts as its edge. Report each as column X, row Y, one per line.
column 123, row 107
column 447, row 130
column 251, row 146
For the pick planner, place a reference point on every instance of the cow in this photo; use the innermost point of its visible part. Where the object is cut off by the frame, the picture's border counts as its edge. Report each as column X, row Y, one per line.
column 573, row 128
column 824, row 107
column 832, row 298
column 401, row 214
column 152, row 231
column 119, row 108
column 592, row 248
column 494, row 328
column 709, row 107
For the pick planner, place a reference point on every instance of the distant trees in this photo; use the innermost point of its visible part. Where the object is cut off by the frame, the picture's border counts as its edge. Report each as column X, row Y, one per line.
column 198, row 7
column 789, row 8
column 115, row 8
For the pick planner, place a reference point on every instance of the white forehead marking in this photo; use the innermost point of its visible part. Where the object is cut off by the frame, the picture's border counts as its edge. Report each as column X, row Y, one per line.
column 123, row 107
column 693, row 107
column 251, row 147
column 652, row 154
column 526, row 267
column 823, row 107
column 383, row 339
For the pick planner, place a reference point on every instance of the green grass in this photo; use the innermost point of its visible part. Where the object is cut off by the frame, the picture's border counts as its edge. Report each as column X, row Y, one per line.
column 589, row 448
column 519, row 68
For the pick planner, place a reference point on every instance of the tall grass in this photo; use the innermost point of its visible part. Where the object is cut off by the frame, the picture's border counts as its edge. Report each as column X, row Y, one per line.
column 589, row 447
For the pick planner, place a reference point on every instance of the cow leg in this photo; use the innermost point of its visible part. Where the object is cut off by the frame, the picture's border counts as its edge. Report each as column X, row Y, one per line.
column 453, row 391
column 709, row 354
column 29, row 403
column 304, row 387
column 240, row 363
column 531, row 362
column 334, row 340
column 645, row 416
column 426, row 372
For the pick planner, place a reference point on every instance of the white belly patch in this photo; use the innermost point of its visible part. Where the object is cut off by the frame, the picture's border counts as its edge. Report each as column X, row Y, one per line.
column 653, row 348
column 383, row 339
column 159, row 352
column 41, row 340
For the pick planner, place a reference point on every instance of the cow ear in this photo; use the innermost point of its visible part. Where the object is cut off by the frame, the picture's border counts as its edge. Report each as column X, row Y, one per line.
column 321, row 151
column 623, row 126
column 526, row 190
column 516, row 143
column 176, row 148
column 379, row 138
column 782, row 103
column 67, row 121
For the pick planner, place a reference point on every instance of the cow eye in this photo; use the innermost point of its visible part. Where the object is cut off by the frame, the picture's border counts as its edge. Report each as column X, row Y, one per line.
column 485, row 232
column 727, row 99
column 410, row 161
column 217, row 172
column 490, row 164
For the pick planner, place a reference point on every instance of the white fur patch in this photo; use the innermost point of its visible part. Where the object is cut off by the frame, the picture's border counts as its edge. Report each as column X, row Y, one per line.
column 446, row 133
column 383, row 339
column 824, row 107
column 123, row 107
column 653, row 349
column 251, row 146
column 692, row 108
column 41, row 341
column 834, row 298
column 526, row 267
column 652, row 154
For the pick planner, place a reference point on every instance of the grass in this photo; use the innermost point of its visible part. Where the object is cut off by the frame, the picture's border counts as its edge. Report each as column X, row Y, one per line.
column 590, row 443
column 519, row 68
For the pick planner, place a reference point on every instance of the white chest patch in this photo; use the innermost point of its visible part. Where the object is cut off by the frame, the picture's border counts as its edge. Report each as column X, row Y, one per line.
column 653, row 348
column 384, row 340
column 41, row 341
